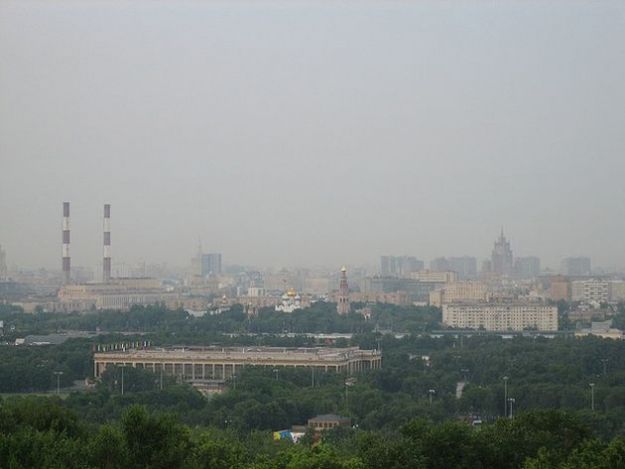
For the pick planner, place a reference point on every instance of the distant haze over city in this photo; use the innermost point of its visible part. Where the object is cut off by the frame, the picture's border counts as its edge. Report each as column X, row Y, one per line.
column 311, row 133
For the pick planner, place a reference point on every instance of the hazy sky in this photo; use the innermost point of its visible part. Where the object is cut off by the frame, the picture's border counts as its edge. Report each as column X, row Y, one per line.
column 286, row 133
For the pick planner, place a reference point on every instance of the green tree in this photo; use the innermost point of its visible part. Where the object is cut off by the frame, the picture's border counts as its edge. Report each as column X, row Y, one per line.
column 108, row 449
column 154, row 441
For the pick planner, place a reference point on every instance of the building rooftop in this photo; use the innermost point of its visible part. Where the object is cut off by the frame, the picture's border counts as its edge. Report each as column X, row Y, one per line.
column 242, row 353
column 327, row 417
column 514, row 303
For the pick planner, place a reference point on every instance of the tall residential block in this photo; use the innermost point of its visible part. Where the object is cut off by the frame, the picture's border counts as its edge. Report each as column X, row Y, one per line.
column 3, row 265
column 399, row 266
column 501, row 316
column 460, row 292
column 466, row 266
column 559, row 288
column 211, row 264
column 576, row 266
column 440, row 264
column 590, row 291
column 527, row 267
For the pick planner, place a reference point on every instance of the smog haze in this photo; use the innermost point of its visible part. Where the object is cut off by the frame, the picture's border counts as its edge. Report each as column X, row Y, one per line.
column 308, row 133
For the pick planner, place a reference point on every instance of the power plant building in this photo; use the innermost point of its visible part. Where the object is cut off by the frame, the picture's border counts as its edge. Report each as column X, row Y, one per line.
column 117, row 293
column 112, row 293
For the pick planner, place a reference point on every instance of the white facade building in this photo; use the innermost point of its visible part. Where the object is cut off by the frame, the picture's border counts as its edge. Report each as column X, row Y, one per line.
column 617, row 291
column 459, row 292
column 256, row 292
column 290, row 302
column 434, row 276
column 501, row 316
column 590, row 291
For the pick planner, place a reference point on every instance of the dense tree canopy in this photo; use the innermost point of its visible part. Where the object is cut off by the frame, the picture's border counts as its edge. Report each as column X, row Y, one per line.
column 41, row 433
column 414, row 412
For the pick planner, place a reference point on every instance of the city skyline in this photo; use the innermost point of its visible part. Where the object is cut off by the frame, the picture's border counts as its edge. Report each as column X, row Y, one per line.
column 279, row 148
column 302, row 234
column 421, row 261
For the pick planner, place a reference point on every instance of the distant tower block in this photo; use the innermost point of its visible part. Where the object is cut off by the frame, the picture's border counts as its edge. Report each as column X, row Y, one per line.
column 66, row 258
column 342, row 304
column 106, row 249
column 3, row 264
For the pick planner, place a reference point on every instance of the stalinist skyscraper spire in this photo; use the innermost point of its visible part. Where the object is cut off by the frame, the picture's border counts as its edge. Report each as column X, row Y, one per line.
column 342, row 303
column 501, row 258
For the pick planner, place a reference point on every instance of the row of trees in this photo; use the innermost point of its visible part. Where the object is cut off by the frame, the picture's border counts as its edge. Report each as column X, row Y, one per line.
column 41, row 433
column 29, row 369
column 320, row 317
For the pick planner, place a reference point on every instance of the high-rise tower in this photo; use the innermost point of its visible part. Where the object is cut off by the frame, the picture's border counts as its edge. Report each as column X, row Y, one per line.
column 211, row 264
column 342, row 303
column 65, row 231
column 502, row 260
column 106, row 248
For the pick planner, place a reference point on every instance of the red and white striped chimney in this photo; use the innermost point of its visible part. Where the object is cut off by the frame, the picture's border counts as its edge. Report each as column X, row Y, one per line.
column 106, row 260
column 66, row 258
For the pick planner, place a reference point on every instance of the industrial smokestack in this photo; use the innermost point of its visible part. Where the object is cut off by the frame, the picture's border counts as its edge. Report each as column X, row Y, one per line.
column 66, row 258
column 106, row 261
